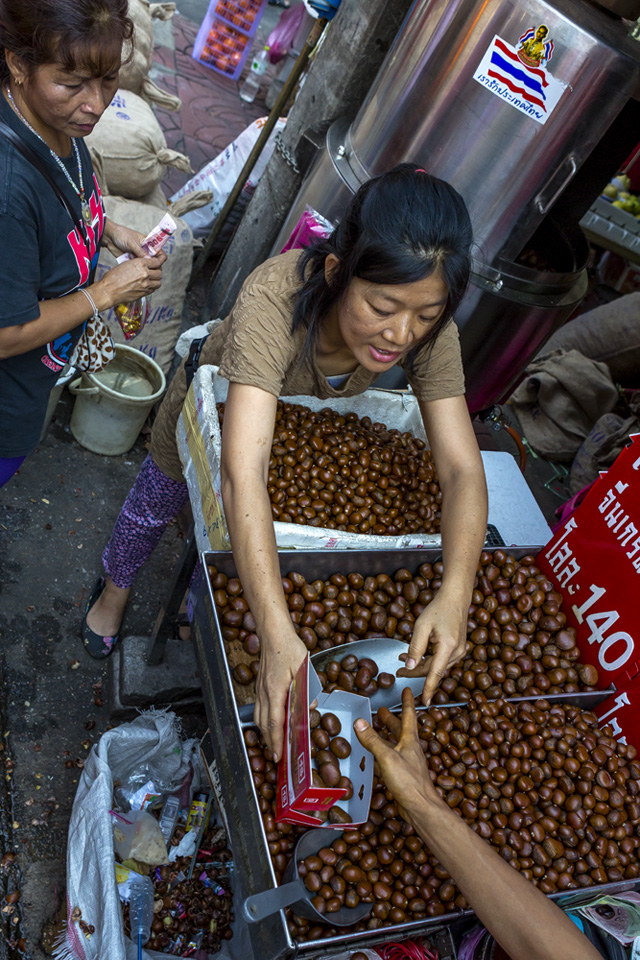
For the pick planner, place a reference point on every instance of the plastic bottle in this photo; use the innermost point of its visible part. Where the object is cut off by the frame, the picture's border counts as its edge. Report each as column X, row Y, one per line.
column 141, row 909
column 251, row 85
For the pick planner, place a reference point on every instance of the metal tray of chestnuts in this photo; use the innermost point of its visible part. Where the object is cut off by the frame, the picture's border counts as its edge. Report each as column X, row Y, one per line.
column 232, row 772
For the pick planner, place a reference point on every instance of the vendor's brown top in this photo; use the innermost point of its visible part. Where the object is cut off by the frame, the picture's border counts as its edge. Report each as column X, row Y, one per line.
column 254, row 345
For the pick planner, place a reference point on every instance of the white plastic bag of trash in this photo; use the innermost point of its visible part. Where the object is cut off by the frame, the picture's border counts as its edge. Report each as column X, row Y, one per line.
column 151, row 741
column 221, row 173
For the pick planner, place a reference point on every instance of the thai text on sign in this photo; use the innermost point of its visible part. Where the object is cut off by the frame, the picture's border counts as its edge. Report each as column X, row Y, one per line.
column 594, row 558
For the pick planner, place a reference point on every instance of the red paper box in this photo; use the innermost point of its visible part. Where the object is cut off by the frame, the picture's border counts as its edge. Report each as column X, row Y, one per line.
column 296, row 793
column 594, row 558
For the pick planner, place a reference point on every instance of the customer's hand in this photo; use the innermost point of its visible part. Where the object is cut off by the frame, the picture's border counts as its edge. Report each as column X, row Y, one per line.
column 280, row 660
column 119, row 239
column 128, row 281
column 403, row 767
column 443, row 624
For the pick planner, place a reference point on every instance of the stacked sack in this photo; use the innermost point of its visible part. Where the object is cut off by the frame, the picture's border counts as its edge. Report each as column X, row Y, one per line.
column 137, row 56
column 130, row 154
column 131, row 148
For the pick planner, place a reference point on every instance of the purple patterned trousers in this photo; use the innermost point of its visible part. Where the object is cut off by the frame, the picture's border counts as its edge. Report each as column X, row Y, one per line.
column 9, row 466
column 153, row 501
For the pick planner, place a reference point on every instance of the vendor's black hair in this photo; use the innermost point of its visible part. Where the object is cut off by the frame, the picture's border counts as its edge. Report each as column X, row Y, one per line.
column 399, row 227
column 74, row 33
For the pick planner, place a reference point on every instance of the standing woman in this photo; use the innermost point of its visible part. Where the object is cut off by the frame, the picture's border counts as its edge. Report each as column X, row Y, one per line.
column 382, row 290
column 59, row 65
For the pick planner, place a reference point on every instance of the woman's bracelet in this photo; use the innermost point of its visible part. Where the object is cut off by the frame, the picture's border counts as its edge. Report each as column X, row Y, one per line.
column 96, row 312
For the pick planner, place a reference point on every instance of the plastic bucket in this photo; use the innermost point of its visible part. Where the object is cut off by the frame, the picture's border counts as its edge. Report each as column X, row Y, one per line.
column 68, row 373
column 112, row 405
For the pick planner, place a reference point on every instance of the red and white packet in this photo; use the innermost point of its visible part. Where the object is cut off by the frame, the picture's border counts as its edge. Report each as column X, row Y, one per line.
column 296, row 793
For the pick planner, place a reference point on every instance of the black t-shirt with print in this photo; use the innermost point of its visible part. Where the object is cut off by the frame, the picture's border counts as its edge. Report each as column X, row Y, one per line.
column 45, row 255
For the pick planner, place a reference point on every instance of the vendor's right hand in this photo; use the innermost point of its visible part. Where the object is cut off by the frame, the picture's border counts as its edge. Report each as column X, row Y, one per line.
column 128, row 281
column 279, row 663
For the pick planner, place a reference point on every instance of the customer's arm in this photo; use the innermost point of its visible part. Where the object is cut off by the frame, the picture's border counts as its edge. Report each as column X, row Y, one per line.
column 125, row 282
column 246, row 448
column 527, row 924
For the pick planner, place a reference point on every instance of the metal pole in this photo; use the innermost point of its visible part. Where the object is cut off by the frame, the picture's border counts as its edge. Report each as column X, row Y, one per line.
column 281, row 102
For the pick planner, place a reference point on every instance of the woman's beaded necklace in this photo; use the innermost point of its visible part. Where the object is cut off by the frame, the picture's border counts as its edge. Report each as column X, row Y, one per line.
column 86, row 209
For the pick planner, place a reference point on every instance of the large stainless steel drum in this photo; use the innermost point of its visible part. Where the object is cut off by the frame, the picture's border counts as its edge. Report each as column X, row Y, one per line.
column 459, row 95
column 509, row 165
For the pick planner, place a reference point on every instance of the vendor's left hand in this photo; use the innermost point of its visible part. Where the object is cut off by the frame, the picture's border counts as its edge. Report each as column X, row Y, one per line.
column 443, row 624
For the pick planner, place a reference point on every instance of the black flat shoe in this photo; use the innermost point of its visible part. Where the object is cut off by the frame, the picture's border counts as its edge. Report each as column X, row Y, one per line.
column 95, row 645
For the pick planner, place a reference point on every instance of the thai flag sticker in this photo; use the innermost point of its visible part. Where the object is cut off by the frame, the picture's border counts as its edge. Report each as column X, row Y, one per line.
column 519, row 76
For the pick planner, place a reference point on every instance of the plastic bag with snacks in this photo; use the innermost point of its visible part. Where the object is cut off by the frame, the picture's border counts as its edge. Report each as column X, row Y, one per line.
column 133, row 316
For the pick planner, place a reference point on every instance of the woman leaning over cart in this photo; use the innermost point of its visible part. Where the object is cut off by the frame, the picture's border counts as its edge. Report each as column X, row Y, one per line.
column 382, row 290
column 59, row 63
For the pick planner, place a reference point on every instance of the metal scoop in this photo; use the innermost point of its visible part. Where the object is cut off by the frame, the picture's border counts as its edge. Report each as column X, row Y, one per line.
column 386, row 653
column 294, row 894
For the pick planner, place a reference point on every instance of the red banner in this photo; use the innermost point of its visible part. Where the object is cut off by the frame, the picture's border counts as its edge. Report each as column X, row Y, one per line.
column 622, row 711
column 594, row 559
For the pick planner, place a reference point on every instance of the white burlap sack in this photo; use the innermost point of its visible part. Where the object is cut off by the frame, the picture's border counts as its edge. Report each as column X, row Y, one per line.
column 131, row 147
column 134, row 74
column 150, row 742
column 158, row 337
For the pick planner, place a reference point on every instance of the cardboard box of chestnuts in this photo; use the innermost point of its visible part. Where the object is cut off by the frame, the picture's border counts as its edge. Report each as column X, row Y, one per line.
column 337, row 790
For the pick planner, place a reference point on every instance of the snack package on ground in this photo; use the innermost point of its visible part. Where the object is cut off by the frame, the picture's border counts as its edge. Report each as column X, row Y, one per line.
column 133, row 316
column 151, row 741
column 299, row 792
column 221, row 173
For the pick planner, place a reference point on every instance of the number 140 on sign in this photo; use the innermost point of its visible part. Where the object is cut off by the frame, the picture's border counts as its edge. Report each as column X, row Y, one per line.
column 615, row 648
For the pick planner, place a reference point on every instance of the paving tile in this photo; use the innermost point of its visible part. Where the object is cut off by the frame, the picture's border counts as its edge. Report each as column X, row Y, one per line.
column 164, row 57
column 212, row 113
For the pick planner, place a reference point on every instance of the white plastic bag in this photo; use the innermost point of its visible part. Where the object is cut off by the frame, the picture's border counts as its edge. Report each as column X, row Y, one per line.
column 220, row 175
column 152, row 739
column 137, row 836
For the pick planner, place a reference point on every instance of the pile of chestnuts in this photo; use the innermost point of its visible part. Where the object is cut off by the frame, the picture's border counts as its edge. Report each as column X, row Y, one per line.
column 558, row 798
column 191, row 915
column 328, row 748
column 354, row 675
column 519, row 644
column 347, row 473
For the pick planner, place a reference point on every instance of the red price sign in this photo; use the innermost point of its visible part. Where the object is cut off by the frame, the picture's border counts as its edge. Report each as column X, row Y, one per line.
column 595, row 560
column 622, row 712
